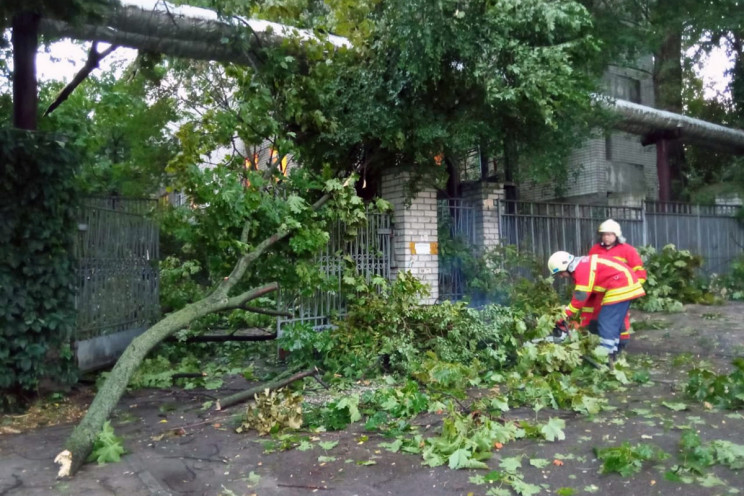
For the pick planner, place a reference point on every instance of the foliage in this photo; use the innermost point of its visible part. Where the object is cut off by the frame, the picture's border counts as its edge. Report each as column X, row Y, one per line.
column 467, row 440
column 387, row 330
column 107, row 447
column 504, row 275
column 403, row 402
column 178, row 286
column 121, row 127
column 37, row 270
column 438, row 374
column 336, row 415
column 672, row 279
column 273, row 411
column 395, row 99
column 695, row 457
column 627, row 460
column 722, row 391
column 731, row 284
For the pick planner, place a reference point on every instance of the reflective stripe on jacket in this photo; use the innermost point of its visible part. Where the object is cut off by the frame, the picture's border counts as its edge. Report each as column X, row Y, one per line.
column 626, row 254
column 611, row 280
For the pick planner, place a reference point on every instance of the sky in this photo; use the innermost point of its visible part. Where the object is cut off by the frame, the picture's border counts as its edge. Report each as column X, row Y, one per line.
column 65, row 58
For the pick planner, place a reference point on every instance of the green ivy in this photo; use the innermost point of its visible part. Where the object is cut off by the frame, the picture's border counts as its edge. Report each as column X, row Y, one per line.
column 37, row 270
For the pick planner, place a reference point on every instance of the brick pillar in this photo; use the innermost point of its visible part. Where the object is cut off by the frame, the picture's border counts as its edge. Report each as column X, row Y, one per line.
column 484, row 197
column 415, row 242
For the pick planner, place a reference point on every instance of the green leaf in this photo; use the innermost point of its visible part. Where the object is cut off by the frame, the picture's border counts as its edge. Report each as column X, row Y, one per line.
column 325, row 459
column 393, row 446
column 511, row 464
column 328, row 445
column 253, row 478
column 523, row 488
column 461, row 458
column 677, row 407
column 107, row 447
column 305, row 446
column 539, row 462
column 498, row 491
column 553, row 429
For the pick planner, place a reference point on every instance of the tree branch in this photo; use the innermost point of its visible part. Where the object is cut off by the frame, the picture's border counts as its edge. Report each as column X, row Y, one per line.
column 266, row 311
column 94, row 57
column 248, row 394
column 239, row 270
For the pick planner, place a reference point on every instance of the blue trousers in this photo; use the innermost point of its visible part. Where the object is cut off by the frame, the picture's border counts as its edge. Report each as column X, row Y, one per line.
column 611, row 323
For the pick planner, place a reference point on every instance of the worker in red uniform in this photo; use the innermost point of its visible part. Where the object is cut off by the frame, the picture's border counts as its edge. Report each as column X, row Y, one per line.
column 613, row 283
column 613, row 244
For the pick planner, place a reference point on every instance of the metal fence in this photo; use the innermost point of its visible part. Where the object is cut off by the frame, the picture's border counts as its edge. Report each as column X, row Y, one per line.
column 543, row 228
column 712, row 231
column 455, row 228
column 117, row 251
column 369, row 250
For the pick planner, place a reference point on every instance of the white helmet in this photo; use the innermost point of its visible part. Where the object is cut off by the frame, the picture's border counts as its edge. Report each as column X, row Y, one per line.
column 610, row 226
column 559, row 261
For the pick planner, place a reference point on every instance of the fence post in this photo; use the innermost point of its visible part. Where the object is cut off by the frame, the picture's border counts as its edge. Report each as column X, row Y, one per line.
column 577, row 210
column 699, row 236
column 497, row 204
column 644, row 224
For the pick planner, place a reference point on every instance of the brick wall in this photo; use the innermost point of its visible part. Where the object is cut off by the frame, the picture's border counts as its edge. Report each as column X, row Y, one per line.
column 415, row 241
column 484, row 197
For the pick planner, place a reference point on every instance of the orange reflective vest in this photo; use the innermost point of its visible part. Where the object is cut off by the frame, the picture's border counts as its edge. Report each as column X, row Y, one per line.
column 610, row 279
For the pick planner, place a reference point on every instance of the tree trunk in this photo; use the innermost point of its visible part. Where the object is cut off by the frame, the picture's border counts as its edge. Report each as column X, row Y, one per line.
column 668, row 92
column 737, row 76
column 80, row 442
column 25, row 41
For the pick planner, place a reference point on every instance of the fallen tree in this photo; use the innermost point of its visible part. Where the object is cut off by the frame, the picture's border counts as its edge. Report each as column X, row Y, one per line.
column 80, row 442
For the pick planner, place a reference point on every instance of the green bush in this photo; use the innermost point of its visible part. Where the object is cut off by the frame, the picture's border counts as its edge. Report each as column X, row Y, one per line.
column 37, row 270
column 673, row 279
column 386, row 329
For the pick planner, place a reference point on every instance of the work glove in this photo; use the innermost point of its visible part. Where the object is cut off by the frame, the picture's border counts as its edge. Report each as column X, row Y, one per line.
column 560, row 330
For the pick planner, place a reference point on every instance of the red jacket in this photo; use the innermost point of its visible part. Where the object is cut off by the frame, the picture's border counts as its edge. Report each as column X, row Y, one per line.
column 626, row 254
column 611, row 280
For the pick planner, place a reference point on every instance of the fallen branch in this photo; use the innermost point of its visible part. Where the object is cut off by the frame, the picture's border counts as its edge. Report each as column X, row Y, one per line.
column 248, row 394
column 303, row 486
column 188, row 375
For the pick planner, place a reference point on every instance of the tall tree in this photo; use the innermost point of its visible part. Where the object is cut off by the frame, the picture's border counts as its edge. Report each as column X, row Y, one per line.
column 420, row 77
column 666, row 29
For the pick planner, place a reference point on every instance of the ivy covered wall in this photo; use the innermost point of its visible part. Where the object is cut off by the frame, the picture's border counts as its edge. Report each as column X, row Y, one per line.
column 37, row 269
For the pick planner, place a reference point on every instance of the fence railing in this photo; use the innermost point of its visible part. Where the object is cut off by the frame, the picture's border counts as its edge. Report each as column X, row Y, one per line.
column 543, row 228
column 711, row 231
column 369, row 250
column 116, row 248
column 455, row 226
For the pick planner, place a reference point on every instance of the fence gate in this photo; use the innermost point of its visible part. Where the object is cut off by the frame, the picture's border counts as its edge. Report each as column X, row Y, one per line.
column 456, row 232
column 369, row 251
column 117, row 291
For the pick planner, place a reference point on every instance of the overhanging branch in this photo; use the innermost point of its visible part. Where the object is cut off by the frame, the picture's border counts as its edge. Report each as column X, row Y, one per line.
column 94, row 57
